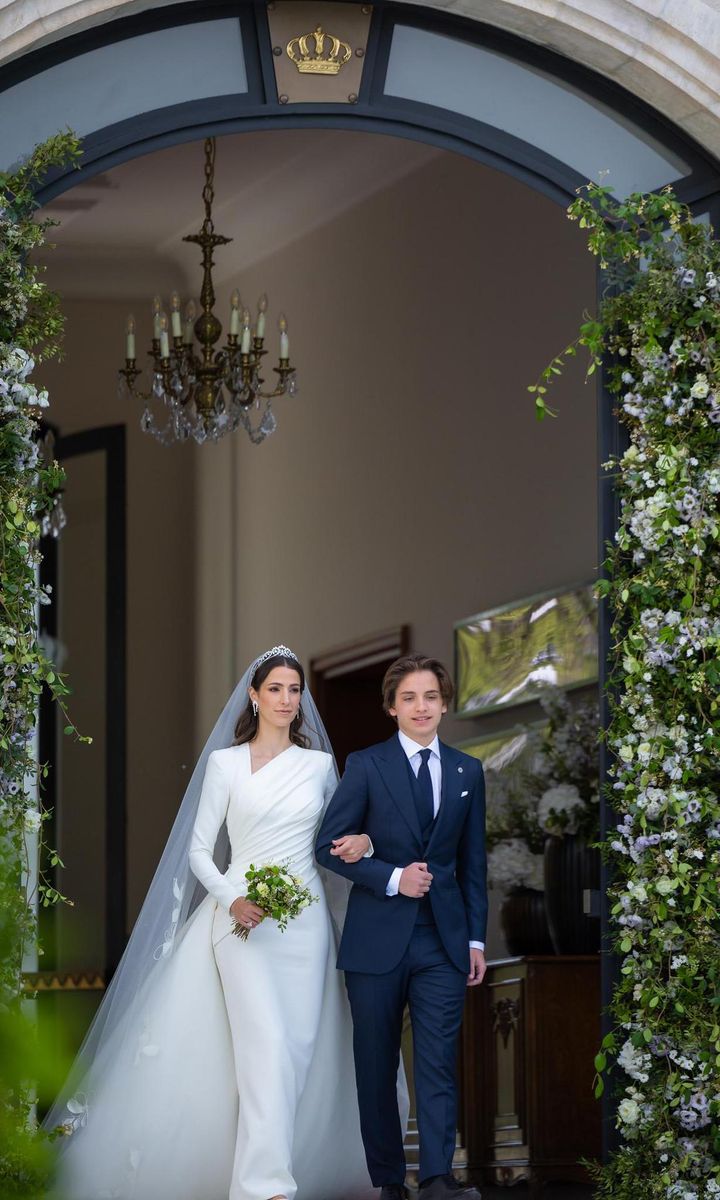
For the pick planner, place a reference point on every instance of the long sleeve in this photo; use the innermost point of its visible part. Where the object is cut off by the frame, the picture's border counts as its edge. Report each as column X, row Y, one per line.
column 346, row 814
column 211, row 814
column 472, row 864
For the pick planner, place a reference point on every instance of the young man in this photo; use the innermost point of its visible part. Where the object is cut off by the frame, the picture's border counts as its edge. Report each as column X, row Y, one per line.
column 415, row 927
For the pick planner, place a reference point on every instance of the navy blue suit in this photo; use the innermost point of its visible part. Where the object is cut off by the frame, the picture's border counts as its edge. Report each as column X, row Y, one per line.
column 396, row 950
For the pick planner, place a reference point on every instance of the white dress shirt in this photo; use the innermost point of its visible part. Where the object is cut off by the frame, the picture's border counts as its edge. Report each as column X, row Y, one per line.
column 412, row 749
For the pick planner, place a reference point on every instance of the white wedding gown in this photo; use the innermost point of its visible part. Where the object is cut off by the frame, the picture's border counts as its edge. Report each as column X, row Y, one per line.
column 232, row 1077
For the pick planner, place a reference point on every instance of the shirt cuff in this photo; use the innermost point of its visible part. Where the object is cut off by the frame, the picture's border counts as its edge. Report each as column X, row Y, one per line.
column 393, row 884
column 477, row 945
column 371, row 849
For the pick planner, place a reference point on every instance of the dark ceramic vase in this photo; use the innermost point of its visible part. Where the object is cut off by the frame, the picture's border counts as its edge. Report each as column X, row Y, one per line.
column 524, row 923
column 571, row 868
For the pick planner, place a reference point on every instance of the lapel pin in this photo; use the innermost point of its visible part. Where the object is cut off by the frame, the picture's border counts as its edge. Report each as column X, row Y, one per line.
column 460, row 770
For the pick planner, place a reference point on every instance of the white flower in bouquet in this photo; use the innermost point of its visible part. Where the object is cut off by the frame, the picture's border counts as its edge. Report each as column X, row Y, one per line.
column 559, row 809
column 511, row 864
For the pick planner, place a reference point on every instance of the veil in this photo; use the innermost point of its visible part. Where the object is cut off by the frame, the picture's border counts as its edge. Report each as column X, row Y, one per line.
column 173, row 897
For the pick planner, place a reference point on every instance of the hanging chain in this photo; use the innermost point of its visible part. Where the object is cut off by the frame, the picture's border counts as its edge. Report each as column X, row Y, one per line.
column 208, row 192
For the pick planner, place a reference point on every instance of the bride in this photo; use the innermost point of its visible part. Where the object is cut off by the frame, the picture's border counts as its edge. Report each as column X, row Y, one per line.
column 219, row 1068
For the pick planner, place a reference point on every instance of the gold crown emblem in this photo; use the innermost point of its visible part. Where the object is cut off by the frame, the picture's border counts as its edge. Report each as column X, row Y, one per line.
column 328, row 57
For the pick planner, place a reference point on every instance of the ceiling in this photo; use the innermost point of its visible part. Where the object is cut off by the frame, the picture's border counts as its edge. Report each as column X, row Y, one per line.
column 120, row 233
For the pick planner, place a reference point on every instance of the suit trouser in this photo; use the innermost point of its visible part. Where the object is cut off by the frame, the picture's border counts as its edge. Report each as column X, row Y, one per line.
column 434, row 990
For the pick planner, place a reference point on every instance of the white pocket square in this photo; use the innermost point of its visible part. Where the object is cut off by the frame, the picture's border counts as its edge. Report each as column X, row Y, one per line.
column 463, row 794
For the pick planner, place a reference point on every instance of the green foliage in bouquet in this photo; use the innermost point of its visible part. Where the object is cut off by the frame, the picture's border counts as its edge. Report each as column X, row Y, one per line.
column 30, row 325
column 280, row 894
column 658, row 333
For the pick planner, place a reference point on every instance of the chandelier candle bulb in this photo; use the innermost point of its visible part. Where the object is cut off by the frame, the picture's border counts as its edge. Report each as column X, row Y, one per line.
column 262, row 309
column 235, row 306
column 284, row 339
column 130, row 339
column 175, row 317
column 245, row 344
column 157, row 313
column 164, row 340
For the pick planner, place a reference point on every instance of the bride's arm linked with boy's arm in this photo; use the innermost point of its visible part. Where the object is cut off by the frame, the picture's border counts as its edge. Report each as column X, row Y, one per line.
column 210, row 816
column 348, row 810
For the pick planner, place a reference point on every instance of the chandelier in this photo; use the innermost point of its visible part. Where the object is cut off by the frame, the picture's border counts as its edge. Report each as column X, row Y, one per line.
column 200, row 391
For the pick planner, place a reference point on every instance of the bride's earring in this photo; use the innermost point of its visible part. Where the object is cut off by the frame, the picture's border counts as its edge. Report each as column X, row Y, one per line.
column 255, row 708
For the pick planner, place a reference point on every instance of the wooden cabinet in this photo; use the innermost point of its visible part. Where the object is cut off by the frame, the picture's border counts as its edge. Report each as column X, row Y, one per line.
column 530, row 1035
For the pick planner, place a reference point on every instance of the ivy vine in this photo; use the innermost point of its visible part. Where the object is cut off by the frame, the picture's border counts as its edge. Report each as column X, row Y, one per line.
column 30, row 328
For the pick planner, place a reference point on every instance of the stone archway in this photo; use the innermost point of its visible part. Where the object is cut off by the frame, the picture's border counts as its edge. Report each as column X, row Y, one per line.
column 670, row 60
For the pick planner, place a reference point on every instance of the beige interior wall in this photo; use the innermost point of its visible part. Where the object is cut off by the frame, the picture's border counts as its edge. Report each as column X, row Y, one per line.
column 409, row 482
column 160, row 630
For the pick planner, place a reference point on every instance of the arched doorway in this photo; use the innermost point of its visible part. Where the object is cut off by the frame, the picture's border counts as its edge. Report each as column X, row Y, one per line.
column 442, row 81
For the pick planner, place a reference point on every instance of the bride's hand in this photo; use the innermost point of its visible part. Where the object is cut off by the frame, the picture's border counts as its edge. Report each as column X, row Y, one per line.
column 246, row 913
column 351, row 848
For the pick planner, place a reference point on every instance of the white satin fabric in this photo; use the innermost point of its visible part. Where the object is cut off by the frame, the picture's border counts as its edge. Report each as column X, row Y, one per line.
column 232, row 1076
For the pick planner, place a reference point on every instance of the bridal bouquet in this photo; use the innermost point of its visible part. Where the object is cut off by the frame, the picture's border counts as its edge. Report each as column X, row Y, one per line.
column 279, row 894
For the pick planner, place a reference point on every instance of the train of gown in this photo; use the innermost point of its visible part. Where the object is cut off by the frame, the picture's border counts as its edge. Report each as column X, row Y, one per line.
column 163, row 1117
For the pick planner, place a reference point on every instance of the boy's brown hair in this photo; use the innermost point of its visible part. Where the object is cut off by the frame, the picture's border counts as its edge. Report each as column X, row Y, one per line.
column 397, row 671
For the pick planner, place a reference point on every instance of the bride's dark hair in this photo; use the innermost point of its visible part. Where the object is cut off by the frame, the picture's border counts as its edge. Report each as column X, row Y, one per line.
column 247, row 723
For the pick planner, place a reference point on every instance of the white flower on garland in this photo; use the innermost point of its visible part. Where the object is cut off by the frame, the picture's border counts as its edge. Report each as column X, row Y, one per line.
column 634, row 1062
column 700, row 388
column 629, row 1111
column 512, row 865
column 559, row 809
column 32, row 820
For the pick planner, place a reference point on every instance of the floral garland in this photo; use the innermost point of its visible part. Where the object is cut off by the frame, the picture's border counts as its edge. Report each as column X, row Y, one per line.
column 659, row 329
column 30, row 324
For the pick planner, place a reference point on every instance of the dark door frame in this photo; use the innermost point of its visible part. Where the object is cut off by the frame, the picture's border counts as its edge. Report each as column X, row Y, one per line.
column 110, row 440
column 352, row 656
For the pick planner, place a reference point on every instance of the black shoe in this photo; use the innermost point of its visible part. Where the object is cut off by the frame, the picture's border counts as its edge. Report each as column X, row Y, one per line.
column 393, row 1191
column 447, row 1187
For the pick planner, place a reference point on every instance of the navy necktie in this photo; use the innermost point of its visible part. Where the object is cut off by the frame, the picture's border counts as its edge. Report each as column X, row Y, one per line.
column 425, row 791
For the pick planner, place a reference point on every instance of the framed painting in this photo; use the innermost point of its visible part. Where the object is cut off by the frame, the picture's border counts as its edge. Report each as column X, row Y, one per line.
column 505, row 656
column 499, row 750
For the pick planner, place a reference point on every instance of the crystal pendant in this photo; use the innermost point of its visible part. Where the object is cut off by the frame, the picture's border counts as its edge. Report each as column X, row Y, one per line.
column 122, row 388
column 268, row 424
column 158, row 386
column 146, row 421
column 292, row 385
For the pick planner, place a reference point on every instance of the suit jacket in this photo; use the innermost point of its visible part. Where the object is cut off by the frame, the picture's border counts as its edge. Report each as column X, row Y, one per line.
column 375, row 796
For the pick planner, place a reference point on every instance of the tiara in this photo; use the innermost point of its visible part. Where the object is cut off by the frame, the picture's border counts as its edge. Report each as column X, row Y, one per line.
column 282, row 651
